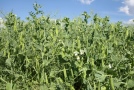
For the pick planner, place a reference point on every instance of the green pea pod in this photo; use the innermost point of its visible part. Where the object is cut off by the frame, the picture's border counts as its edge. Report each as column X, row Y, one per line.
column 111, row 83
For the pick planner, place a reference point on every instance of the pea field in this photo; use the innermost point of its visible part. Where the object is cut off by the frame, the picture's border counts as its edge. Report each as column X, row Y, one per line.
column 86, row 53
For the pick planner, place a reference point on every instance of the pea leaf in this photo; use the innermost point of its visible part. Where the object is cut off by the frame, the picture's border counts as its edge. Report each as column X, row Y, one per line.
column 100, row 76
column 130, row 84
column 8, row 62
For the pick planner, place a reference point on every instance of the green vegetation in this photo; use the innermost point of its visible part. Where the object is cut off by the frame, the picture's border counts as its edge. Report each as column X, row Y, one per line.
column 39, row 54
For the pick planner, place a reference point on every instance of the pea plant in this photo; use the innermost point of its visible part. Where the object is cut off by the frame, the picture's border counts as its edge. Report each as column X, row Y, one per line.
column 79, row 54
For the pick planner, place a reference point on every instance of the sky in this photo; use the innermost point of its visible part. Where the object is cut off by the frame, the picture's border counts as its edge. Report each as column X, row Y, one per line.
column 117, row 10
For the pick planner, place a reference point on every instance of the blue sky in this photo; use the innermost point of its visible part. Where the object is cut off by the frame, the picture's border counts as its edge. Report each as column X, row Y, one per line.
column 117, row 10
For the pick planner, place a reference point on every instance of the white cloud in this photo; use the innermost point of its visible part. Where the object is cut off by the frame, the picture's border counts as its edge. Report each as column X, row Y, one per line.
column 128, row 7
column 125, row 9
column 129, row 22
column 86, row 1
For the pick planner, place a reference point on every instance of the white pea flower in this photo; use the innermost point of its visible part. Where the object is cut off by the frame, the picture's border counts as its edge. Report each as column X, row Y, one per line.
column 82, row 52
column 76, row 53
column 110, row 66
column 59, row 40
column 78, row 58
